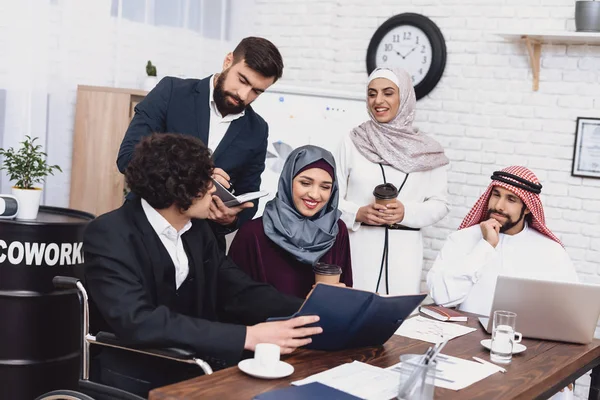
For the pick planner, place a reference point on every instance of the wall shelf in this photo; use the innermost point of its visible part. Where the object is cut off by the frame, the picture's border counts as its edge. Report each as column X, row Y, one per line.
column 534, row 40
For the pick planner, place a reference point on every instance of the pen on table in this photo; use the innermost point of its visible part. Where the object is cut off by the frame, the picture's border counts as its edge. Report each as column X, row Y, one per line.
column 443, row 379
column 444, row 359
column 489, row 363
column 438, row 350
column 398, row 368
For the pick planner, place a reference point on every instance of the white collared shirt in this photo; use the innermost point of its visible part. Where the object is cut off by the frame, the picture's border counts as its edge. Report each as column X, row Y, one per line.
column 218, row 124
column 171, row 239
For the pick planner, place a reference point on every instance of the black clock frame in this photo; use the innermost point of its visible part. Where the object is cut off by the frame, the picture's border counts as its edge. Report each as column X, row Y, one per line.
column 438, row 48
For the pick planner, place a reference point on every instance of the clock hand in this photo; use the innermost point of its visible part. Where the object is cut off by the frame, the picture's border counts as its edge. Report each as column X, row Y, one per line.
column 397, row 52
column 413, row 49
column 400, row 54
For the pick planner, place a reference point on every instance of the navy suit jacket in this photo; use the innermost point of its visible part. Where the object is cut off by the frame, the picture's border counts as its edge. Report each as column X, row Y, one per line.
column 130, row 278
column 182, row 106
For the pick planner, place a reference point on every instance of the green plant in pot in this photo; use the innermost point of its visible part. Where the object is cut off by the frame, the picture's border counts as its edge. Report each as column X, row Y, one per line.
column 151, row 78
column 27, row 166
column 150, row 69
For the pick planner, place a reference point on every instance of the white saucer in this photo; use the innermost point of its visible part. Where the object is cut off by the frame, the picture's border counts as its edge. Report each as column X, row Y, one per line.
column 281, row 370
column 517, row 347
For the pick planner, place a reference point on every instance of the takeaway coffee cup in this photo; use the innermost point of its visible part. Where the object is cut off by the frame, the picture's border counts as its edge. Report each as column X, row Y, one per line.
column 385, row 193
column 327, row 273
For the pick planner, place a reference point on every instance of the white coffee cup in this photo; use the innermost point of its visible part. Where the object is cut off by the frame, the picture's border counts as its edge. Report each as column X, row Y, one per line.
column 266, row 355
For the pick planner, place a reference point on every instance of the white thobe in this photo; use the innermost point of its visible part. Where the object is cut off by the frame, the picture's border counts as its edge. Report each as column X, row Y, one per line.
column 425, row 203
column 467, row 267
column 466, row 270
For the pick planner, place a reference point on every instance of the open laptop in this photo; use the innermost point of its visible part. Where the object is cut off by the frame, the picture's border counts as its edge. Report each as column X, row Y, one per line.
column 561, row 311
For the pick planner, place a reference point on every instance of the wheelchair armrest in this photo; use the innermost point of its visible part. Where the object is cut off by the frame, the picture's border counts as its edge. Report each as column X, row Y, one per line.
column 172, row 352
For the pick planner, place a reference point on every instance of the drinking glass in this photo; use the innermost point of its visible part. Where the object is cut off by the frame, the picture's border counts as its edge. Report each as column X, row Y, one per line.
column 504, row 336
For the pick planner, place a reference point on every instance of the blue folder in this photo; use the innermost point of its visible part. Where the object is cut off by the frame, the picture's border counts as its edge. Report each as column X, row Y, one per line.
column 311, row 391
column 354, row 318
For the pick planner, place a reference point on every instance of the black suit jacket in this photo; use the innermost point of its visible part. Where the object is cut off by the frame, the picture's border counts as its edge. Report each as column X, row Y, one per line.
column 182, row 106
column 131, row 280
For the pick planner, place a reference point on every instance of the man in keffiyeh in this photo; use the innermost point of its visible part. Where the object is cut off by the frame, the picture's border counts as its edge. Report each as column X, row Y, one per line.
column 505, row 233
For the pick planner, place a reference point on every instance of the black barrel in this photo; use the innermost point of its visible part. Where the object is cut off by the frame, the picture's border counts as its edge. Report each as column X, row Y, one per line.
column 40, row 327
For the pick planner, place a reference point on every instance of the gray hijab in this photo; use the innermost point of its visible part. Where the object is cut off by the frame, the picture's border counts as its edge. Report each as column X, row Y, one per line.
column 307, row 239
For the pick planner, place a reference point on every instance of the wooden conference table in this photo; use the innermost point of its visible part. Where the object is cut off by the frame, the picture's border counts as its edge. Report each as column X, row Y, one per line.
column 542, row 370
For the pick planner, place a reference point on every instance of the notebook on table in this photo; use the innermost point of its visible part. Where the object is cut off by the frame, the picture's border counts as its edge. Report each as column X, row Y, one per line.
column 311, row 391
column 443, row 313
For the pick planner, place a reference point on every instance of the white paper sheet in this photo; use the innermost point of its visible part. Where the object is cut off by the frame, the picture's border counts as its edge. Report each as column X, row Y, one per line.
column 431, row 330
column 359, row 379
column 455, row 373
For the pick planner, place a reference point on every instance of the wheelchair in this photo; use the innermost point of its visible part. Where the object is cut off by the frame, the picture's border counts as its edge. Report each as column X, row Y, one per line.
column 89, row 390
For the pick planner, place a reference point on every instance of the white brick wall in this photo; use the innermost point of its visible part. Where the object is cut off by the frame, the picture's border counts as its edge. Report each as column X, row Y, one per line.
column 483, row 110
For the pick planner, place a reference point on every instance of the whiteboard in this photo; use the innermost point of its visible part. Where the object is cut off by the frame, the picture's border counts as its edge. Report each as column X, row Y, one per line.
column 299, row 116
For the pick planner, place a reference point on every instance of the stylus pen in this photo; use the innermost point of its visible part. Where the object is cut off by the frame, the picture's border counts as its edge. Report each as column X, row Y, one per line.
column 481, row 360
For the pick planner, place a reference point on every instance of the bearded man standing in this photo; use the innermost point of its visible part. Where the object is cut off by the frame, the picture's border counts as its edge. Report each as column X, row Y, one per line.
column 217, row 111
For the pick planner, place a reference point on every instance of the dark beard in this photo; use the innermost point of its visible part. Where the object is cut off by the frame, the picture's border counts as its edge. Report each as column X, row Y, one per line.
column 509, row 222
column 220, row 96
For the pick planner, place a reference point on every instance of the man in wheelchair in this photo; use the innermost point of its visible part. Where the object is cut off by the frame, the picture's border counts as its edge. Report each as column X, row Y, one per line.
column 157, row 278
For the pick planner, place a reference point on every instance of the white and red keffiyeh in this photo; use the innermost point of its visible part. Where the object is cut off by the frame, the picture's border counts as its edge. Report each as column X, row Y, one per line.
column 531, row 200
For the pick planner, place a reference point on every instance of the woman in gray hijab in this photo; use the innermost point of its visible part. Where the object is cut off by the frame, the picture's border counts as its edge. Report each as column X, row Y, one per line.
column 299, row 227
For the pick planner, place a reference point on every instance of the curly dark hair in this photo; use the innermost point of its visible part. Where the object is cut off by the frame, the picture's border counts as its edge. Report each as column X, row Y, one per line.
column 169, row 168
column 260, row 55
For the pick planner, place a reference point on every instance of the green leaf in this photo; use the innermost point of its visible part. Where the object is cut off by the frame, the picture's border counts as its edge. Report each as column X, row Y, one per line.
column 27, row 165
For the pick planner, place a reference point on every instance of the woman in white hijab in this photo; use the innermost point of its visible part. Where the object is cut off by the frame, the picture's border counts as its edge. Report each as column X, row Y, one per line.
column 385, row 240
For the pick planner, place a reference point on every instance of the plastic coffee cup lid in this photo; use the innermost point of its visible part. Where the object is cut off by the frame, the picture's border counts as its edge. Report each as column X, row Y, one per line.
column 327, row 269
column 385, row 191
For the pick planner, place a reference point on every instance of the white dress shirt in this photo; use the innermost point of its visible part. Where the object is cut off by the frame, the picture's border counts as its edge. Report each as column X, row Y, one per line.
column 218, row 124
column 171, row 239
column 466, row 270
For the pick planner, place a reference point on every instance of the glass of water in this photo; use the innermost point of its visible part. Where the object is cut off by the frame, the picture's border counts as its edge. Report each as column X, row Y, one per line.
column 504, row 336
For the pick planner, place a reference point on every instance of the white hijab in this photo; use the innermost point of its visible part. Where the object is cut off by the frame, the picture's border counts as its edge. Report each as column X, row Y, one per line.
column 397, row 143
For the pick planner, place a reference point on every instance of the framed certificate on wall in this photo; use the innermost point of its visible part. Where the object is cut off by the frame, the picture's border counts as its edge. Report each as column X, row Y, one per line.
column 586, row 155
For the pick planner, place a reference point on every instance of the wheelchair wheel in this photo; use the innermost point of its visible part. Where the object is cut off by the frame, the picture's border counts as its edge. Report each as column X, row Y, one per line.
column 64, row 395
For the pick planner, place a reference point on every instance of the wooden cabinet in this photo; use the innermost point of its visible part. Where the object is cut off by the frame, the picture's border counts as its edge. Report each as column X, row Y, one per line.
column 102, row 116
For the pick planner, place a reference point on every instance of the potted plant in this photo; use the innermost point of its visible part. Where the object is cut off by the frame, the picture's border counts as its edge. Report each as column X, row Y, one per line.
column 587, row 16
column 151, row 79
column 27, row 166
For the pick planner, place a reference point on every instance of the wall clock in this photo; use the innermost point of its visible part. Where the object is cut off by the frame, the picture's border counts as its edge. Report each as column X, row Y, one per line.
column 412, row 42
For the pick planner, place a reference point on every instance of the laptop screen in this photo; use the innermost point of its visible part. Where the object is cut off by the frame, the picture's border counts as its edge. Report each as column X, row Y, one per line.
column 484, row 321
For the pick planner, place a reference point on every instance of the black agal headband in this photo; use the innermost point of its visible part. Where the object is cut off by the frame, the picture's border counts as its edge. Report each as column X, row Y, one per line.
column 521, row 183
